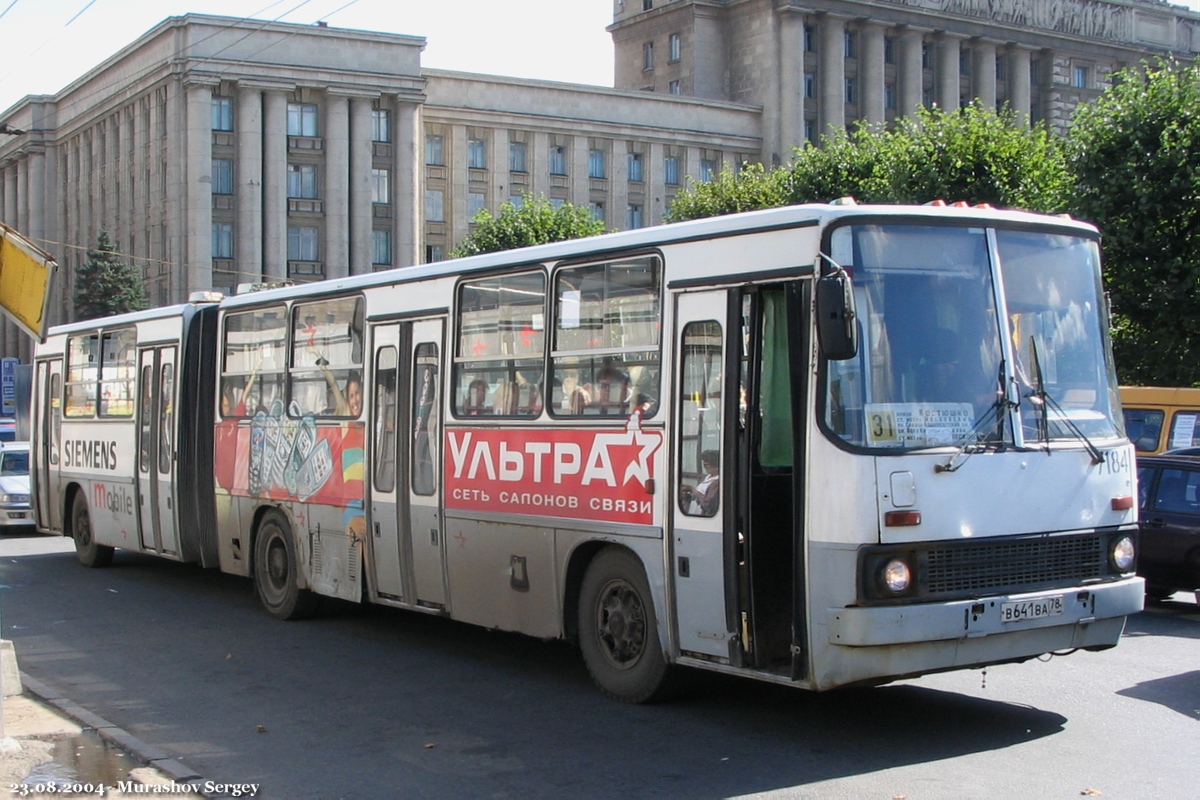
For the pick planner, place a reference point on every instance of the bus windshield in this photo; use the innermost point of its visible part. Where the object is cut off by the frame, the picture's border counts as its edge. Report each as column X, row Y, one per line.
column 935, row 370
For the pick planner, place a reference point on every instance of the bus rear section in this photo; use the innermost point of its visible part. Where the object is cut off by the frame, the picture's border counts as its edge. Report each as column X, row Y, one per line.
column 122, row 434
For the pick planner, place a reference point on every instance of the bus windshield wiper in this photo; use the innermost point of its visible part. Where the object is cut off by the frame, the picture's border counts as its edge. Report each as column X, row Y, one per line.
column 1046, row 402
column 971, row 444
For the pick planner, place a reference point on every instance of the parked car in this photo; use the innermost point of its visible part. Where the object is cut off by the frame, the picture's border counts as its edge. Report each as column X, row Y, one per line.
column 1169, row 503
column 14, row 485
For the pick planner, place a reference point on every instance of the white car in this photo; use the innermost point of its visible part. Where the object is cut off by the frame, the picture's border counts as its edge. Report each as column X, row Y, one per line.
column 14, row 485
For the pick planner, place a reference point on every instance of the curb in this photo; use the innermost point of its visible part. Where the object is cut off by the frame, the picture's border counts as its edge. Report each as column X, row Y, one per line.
column 152, row 756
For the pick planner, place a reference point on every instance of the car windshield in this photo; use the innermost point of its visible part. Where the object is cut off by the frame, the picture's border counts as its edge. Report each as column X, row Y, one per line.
column 14, row 464
column 934, row 369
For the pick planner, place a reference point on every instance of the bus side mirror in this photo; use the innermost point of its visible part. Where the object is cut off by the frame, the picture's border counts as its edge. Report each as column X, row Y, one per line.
column 837, row 322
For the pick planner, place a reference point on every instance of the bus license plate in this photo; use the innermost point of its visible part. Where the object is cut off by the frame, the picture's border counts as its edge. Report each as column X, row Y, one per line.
column 1031, row 609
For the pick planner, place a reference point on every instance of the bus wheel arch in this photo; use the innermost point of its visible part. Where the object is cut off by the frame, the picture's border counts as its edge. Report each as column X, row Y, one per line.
column 276, row 569
column 618, row 630
column 87, row 550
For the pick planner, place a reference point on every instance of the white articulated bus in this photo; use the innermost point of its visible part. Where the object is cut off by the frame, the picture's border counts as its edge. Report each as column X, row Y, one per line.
column 820, row 445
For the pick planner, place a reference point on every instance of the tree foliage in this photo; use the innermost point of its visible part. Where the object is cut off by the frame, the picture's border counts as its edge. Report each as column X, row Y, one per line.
column 106, row 285
column 1135, row 157
column 972, row 154
column 535, row 221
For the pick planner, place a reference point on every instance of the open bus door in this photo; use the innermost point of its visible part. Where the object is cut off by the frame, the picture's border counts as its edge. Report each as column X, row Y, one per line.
column 738, row 570
column 408, row 554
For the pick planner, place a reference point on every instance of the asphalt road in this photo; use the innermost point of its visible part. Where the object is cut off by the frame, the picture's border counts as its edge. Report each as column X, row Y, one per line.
column 370, row 703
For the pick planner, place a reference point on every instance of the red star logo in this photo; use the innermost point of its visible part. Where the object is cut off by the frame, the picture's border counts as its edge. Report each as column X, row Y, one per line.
column 311, row 330
column 462, row 540
column 527, row 336
column 479, row 347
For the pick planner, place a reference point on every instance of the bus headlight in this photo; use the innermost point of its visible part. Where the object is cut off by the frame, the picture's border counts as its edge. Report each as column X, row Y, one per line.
column 1123, row 553
column 896, row 576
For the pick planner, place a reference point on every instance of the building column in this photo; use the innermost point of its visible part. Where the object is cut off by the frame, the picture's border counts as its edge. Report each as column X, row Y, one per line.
column 1019, row 83
column 947, row 76
column 911, row 73
column 408, row 190
column 791, row 89
column 361, row 207
column 248, row 243
column 653, row 210
column 198, row 213
column 274, row 186
column 581, row 153
column 870, row 74
column 983, row 73
column 337, row 186
column 831, row 77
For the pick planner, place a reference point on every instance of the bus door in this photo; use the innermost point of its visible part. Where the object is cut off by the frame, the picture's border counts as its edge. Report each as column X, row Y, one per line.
column 406, row 522
column 705, row 533
column 156, row 450
column 48, row 419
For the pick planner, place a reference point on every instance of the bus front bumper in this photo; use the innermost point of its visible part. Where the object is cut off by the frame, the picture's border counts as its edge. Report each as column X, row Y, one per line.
column 968, row 619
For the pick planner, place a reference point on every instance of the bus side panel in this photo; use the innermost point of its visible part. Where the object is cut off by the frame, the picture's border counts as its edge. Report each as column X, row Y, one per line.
column 101, row 458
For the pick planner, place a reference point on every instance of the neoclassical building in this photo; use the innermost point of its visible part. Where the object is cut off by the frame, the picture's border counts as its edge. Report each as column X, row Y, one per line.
column 217, row 151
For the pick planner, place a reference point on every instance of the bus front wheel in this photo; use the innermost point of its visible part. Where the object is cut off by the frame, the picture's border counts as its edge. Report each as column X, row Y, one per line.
column 618, row 633
column 90, row 553
column 275, row 572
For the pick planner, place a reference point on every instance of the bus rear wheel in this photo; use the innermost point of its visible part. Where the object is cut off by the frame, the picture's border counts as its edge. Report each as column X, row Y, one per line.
column 276, row 569
column 618, row 633
column 90, row 553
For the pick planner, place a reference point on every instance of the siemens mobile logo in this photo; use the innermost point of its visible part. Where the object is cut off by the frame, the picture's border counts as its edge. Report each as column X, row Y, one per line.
column 90, row 454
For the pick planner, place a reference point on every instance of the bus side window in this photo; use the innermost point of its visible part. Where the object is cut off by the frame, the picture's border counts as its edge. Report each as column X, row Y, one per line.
column 700, row 421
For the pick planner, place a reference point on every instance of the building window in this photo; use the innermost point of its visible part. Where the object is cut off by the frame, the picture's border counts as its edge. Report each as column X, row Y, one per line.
column 596, row 164
column 301, row 119
column 222, row 113
column 889, row 95
column 671, row 170
column 810, row 39
column 517, row 201
column 635, row 166
column 647, row 5
column 433, row 252
column 1080, row 78
column 850, row 45
column 1035, row 68
column 964, row 61
column 851, row 90
column 557, row 202
column 889, row 50
column 222, row 240
column 1001, row 68
column 675, row 46
column 435, row 154
column 633, row 217
column 708, row 170
column 597, row 209
column 476, row 154
column 434, row 205
column 558, row 160
column 302, row 181
column 673, row 88
column 516, row 157
column 810, row 131
column 810, row 85
column 381, row 191
column 302, row 244
column 926, row 57
column 381, row 127
column 222, row 176
column 648, row 55
column 476, row 201
column 381, row 251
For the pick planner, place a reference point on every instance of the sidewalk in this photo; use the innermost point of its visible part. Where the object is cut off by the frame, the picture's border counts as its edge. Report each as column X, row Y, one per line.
column 36, row 717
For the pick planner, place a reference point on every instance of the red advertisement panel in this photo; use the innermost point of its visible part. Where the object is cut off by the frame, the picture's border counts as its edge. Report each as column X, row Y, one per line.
column 573, row 472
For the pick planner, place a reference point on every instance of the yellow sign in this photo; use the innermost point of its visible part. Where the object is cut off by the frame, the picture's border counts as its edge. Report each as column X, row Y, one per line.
column 25, row 273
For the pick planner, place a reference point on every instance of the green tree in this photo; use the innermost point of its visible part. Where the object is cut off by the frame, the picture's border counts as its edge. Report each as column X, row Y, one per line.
column 535, row 221
column 1135, row 155
column 106, row 285
column 972, row 154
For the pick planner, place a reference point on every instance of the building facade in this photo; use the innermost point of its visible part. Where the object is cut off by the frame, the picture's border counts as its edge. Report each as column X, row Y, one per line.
column 217, row 151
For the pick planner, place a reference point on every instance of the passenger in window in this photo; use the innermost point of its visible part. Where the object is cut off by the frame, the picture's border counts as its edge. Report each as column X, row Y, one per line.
column 347, row 403
column 475, row 402
column 703, row 499
column 611, row 390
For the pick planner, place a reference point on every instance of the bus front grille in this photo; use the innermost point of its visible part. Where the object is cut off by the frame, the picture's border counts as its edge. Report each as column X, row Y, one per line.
column 1014, row 565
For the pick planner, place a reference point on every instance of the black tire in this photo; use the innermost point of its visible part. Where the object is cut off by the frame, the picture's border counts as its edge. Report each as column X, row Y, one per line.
column 618, row 633
column 1158, row 592
column 89, row 553
column 275, row 571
